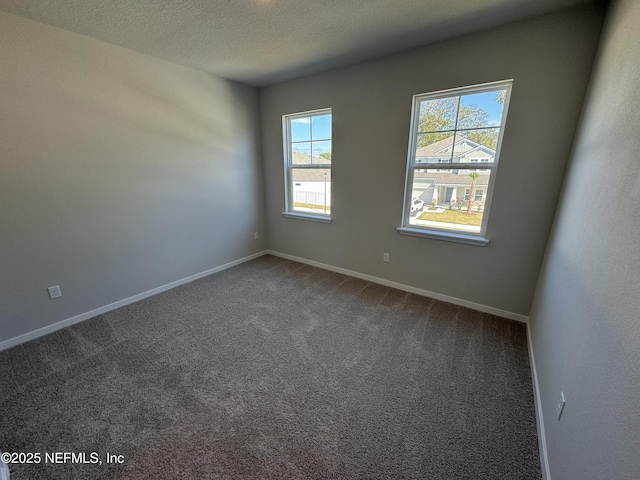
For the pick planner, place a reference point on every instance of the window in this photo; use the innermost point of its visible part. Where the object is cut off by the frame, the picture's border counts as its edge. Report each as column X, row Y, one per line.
column 440, row 160
column 307, row 155
column 462, row 127
column 477, row 197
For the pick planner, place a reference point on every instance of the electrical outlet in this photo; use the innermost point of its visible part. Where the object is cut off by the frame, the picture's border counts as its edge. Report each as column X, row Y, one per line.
column 54, row 292
column 385, row 257
column 255, row 235
column 560, row 406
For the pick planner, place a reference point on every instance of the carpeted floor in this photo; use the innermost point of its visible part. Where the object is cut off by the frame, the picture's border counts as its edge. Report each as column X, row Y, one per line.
column 274, row 369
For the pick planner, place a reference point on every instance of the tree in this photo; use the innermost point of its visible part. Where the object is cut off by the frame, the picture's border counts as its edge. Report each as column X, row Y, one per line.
column 440, row 114
column 487, row 137
column 326, row 156
column 472, row 191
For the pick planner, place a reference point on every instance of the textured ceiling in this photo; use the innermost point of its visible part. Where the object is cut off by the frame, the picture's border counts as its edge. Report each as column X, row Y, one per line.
column 259, row 42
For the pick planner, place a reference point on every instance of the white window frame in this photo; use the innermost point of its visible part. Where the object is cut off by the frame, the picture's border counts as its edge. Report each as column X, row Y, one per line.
column 289, row 165
column 438, row 233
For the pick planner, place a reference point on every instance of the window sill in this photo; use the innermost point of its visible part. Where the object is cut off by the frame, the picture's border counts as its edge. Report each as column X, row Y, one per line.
column 445, row 236
column 310, row 218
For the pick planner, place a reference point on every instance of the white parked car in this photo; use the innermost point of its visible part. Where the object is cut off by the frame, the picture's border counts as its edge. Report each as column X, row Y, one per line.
column 416, row 206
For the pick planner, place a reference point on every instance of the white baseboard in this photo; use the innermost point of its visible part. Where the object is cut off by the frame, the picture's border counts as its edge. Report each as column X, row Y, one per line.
column 25, row 337
column 121, row 303
column 542, row 439
column 407, row 288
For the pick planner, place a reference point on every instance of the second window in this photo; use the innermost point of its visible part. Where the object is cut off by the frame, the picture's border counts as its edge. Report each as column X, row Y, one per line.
column 307, row 147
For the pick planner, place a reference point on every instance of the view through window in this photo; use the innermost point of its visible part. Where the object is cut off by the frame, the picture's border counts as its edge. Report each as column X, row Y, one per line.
column 461, row 128
column 307, row 146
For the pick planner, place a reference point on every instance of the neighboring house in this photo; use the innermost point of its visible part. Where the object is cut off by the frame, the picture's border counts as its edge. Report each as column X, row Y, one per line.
column 311, row 186
column 445, row 185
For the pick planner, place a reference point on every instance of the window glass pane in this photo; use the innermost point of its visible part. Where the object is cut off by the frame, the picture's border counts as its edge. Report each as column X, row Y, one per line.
column 437, row 115
column 321, row 127
column 311, row 188
column 440, row 200
column 301, row 153
column 481, row 109
column 480, row 144
column 301, row 129
column 321, row 152
column 434, row 148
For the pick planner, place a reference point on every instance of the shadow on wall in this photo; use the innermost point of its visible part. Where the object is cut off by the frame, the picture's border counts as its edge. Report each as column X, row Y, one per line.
column 584, row 345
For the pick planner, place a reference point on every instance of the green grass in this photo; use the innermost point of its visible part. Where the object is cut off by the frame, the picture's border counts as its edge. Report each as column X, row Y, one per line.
column 310, row 205
column 459, row 217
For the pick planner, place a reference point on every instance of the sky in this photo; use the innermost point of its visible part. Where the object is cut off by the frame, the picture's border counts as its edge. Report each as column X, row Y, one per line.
column 317, row 129
column 487, row 102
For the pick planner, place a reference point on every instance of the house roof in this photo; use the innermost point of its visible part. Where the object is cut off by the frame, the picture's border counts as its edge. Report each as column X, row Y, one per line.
column 301, row 158
column 479, row 147
column 434, row 148
column 437, row 148
column 441, row 145
column 310, row 174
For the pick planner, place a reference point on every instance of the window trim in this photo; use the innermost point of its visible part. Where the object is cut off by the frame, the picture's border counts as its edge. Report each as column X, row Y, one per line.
column 289, row 211
column 471, row 238
column 456, row 237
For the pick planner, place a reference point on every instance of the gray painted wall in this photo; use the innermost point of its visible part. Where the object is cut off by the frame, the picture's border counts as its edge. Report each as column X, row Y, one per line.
column 585, row 320
column 119, row 173
column 549, row 59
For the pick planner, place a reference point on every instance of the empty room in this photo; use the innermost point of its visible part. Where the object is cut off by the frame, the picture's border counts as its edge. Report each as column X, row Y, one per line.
column 301, row 239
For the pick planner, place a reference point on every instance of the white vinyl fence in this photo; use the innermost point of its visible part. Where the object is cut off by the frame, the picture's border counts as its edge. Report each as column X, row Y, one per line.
column 315, row 198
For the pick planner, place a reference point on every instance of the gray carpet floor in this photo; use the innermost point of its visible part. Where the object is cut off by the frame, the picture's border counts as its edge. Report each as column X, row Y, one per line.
column 275, row 369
